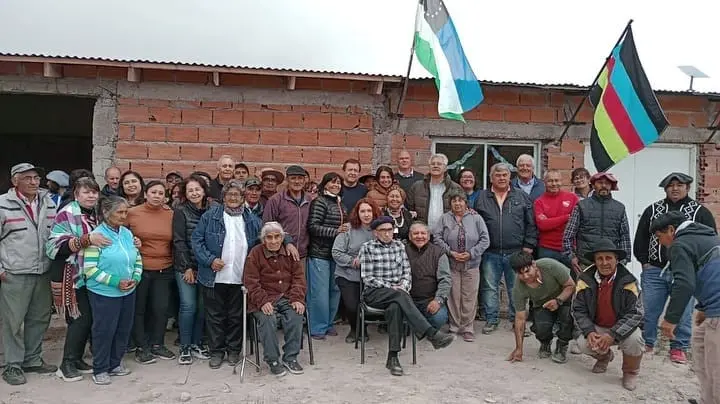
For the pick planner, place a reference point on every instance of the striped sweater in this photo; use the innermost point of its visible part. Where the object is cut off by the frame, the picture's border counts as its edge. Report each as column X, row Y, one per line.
column 105, row 267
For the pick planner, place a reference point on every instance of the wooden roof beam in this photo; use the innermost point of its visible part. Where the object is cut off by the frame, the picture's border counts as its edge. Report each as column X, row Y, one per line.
column 134, row 74
column 290, row 81
column 52, row 70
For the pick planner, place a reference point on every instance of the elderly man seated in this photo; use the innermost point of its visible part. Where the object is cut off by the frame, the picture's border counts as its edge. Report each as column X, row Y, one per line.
column 430, row 270
column 276, row 291
column 608, row 311
column 385, row 272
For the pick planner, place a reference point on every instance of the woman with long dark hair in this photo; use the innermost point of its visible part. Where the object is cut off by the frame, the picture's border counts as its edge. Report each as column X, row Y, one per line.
column 132, row 188
column 384, row 178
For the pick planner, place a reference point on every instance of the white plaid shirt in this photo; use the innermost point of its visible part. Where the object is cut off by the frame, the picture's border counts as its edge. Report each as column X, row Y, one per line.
column 385, row 265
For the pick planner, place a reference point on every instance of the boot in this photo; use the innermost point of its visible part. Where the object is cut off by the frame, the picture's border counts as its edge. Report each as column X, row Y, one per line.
column 602, row 362
column 631, row 369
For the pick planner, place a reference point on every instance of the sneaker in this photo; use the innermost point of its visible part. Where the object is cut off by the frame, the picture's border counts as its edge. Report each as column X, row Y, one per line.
column 490, row 328
column 131, row 349
column 441, row 339
column 678, row 356
column 42, row 368
column 233, row 358
column 318, row 337
column 102, row 378
column 331, row 332
column 185, row 357
column 575, row 348
column 68, row 373
column 216, row 360
column 144, row 357
column 83, row 367
column 14, row 376
column 545, row 350
column 560, row 354
column 199, row 352
column 277, row 369
column 294, row 367
column 468, row 337
column 120, row 370
column 162, row 352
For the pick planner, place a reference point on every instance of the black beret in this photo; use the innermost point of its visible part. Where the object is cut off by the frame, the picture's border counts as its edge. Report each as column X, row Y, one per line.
column 680, row 177
column 380, row 220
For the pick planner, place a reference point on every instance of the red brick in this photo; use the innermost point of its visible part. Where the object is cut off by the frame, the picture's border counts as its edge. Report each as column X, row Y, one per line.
column 277, row 107
column 231, row 150
column 586, row 115
column 557, row 99
column 244, row 136
column 125, row 132
column 158, row 75
column 274, row 137
column 559, row 162
column 712, row 180
column 355, row 139
column 230, row 117
column 517, row 114
column 683, row 103
column 678, row 119
column 700, row 119
column 207, row 166
column 365, row 157
column 336, row 85
column 302, row 83
column 330, row 138
column 501, row 96
column 347, row 109
column 306, row 108
column 366, row 121
column 131, row 150
column 197, row 116
column 287, row 155
column 132, row 113
column 123, row 165
column 430, row 110
column 163, row 152
column 417, row 142
column 269, row 81
column 345, row 121
column 148, row 169
column 33, row 69
column 182, row 76
column 572, row 146
column 85, row 71
column 422, row 92
column 10, row 68
column 288, row 120
column 185, row 167
column 186, row 104
column 182, row 134
column 244, row 106
column 315, row 156
column 164, row 115
column 214, row 135
column 339, row 155
column 316, row 120
column 116, row 73
column 195, row 152
column 543, row 115
column 490, row 112
column 216, row 104
column 262, row 154
column 412, row 109
column 258, row 118
column 152, row 102
column 227, row 79
column 303, row 138
column 151, row 133
column 533, row 98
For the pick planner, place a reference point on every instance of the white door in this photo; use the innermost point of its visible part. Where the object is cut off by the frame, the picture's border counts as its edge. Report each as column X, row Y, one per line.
column 639, row 175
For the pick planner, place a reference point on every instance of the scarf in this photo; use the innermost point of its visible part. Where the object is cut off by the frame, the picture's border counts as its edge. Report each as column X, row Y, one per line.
column 233, row 211
column 69, row 223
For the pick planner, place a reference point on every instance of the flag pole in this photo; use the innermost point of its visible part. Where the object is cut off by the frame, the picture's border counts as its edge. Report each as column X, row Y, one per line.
column 714, row 125
column 582, row 102
column 406, row 81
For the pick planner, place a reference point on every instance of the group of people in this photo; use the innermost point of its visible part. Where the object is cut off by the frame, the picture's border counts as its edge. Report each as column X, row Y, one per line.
column 425, row 249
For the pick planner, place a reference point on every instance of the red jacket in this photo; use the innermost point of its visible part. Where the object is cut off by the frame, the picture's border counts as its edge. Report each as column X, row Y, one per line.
column 552, row 213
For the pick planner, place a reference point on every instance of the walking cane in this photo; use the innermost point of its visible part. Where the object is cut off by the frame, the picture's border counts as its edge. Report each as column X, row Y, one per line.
column 244, row 341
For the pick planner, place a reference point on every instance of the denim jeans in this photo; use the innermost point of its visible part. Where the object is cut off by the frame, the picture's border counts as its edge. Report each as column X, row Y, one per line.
column 192, row 314
column 292, row 325
column 494, row 267
column 323, row 294
column 656, row 287
column 438, row 319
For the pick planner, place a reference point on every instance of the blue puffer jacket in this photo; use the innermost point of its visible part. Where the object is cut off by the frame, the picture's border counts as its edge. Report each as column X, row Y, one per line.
column 209, row 236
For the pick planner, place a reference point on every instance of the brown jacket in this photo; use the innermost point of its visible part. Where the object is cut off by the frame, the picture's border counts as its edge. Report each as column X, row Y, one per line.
column 418, row 199
column 269, row 276
column 379, row 195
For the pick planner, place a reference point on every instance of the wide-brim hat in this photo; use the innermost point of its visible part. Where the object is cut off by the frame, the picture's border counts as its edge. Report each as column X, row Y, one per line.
column 608, row 176
column 605, row 245
column 271, row 171
column 680, row 177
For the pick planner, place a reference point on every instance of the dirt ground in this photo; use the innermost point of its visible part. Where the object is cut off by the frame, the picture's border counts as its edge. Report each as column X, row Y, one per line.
column 462, row 373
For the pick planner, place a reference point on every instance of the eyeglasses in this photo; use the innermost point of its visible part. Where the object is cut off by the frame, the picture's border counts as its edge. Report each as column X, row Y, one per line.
column 29, row 178
column 384, row 230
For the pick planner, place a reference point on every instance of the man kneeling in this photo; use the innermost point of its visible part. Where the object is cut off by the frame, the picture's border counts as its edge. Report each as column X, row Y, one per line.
column 548, row 285
column 276, row 289
column 385, row 271
column 608, row 311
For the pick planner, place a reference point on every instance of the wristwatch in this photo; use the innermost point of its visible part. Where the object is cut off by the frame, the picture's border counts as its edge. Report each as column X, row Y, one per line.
column 559, row 301
column 440, row 300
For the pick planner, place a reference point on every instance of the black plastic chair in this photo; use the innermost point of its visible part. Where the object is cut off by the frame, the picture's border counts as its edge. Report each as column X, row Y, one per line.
column 377, row 316
column 255, row 346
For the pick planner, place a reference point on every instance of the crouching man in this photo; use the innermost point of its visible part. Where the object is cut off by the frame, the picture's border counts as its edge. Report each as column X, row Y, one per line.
column 385, row 273
column 608, row 311
column 695, row 265
column 548, row 285
column 276, row 288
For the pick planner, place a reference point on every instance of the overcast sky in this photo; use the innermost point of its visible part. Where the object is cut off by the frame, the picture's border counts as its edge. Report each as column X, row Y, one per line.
column 547, row 42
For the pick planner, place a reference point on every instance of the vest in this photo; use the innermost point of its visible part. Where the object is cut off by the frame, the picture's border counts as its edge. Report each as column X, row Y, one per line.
column 423, row 267
column 689, row 209
column 599, row 218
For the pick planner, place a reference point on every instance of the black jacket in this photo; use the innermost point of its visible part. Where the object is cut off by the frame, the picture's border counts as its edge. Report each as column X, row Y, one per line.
column 511, row 228
column 626, row 302
column 646, row 248
column 185, row 219
column 326, row 215
column 600, row 217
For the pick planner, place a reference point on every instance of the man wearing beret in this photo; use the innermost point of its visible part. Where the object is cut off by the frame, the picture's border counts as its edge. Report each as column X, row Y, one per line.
column 657, row 283
column 386, row 276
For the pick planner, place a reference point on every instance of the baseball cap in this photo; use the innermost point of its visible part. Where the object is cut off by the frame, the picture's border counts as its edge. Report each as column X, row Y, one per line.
column 252, row 181
column 24, row 167
column 59, row 177
column 295, row 170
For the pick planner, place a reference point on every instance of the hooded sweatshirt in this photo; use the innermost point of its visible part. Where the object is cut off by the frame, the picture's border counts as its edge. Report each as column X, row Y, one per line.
column 695, row 266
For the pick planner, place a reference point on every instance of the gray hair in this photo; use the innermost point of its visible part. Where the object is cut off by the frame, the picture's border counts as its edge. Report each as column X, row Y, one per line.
column 224, row 157
column 108, row 205
column 500, row 167
column 237, row 184
column 525, row 157
column 551, row 171
column 418, row 223
column 271, row 227
column 440, row 156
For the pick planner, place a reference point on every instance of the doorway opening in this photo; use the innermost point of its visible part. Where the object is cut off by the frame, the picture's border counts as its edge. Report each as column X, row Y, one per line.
column 50, row 131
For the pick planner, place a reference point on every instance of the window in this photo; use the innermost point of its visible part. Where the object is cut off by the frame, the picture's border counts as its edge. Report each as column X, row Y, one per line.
column 480, row 155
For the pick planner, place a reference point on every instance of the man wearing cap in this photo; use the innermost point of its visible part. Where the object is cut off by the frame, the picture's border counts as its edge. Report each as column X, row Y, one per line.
column 112, row 181
column 226, row 172
column 26, row 216
column 291, row 209
column 252, row 196
column 271, row 178
column 608, row 310
column 387, row 278
column 172, row 178
column 657, row 283
column 594, row 218
column 57, row 182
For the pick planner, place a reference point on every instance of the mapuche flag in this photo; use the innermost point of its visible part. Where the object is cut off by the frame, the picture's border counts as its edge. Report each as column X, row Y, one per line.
column 628, row 116
column 438, row 49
